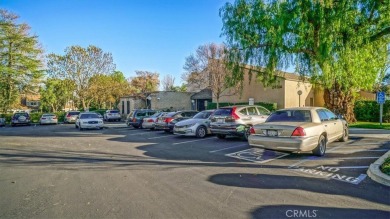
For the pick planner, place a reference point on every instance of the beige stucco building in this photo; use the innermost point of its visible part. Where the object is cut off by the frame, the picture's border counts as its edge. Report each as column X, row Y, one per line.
column 290, row 91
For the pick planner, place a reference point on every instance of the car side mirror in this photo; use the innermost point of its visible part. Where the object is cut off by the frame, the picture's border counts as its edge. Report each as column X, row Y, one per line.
column 340, row 116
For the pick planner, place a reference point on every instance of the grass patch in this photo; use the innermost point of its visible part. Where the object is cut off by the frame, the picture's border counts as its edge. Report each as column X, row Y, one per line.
column 385, row 168
column 370, row 125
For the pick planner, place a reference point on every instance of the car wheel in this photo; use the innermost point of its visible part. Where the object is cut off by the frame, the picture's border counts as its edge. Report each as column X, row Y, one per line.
column 201, row 132
column 136, row 126
column 344, row 138
column 247, row 133
column 12, row 124
column 321, row 147
column 81, row 129
column 220, row 136
column 167, row 131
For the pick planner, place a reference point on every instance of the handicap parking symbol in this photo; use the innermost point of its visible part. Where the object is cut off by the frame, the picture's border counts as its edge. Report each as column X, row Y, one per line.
column 257, row 155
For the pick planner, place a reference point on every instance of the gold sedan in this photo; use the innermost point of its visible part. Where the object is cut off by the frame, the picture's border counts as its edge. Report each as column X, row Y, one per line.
column 299, row 130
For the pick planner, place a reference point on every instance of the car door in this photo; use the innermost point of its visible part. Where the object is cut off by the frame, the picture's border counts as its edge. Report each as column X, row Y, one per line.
column 337, row 128
column 327, row 124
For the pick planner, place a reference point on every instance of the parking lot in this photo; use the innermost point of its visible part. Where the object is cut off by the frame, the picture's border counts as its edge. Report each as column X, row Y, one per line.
column 58, row 171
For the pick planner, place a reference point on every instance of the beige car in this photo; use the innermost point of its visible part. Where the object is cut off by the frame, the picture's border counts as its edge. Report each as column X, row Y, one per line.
column 299, row 130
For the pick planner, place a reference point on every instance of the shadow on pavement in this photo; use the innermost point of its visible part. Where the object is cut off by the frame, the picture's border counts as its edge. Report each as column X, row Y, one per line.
column 317, row 185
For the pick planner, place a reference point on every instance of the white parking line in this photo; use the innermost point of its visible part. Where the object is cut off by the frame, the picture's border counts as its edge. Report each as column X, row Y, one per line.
column 346, row 151
column 140, row 133
column 162, row 137
column 228, row 148
column 193, row 141
column 354, row 167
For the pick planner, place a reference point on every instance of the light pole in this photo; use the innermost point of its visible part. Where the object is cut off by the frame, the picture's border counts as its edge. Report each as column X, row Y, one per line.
column 299, row 96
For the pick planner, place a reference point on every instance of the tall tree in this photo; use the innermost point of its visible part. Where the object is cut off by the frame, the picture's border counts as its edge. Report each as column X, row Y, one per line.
column 168, row 82
column 342, row 45
column 55, row 94
column 145, row 81
column 20, row 58
column 80, row 65
column 207, row 69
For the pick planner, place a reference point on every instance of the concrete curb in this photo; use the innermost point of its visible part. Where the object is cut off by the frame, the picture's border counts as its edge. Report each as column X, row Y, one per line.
column 380, row 136
column 376, row 174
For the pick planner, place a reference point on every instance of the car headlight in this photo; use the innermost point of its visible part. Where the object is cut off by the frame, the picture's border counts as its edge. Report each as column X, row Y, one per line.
column 188, row 126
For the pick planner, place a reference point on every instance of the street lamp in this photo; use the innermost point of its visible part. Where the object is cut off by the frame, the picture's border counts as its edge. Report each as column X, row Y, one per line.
column 299, row 94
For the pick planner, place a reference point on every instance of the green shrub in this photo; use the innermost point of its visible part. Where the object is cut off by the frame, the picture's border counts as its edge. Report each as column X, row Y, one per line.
column 366, row 110
column 269, row 106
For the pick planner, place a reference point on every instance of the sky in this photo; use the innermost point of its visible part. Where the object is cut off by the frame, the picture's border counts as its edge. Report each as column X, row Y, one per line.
column 147, row 35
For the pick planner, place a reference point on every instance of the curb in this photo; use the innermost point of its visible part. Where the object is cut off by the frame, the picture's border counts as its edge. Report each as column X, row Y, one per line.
column 380, row 136
column 376, row 174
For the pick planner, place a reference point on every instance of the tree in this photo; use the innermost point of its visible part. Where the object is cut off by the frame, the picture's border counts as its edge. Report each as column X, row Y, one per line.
column 80, row 65
column 145, row 81
column 207, row 69
column 55, row 94
column 20, row 58
column 168, row 82
column 341, row 45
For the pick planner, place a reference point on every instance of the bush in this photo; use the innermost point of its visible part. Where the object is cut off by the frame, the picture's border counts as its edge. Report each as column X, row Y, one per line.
column 269, row 106
column 33, row 116
column 367, row 110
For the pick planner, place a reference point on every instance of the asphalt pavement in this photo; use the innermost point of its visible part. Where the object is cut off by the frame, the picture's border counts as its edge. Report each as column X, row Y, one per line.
column 120, row 172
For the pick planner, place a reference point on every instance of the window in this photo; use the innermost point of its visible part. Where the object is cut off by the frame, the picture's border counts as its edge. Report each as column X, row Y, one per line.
column 263, row 111
column 290, row 116
column 322, row 115
column 128, row 106
column 243, row 111
column 311, row 101
column 123, row 107
column 252, row 111
column 330, row 115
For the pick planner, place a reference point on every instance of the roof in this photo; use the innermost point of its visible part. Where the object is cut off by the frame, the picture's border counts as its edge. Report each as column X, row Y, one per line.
column 203, row 94
column 282, row 74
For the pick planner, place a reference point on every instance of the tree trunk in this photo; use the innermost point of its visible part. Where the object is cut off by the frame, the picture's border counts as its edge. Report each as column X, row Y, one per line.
column 340, row 102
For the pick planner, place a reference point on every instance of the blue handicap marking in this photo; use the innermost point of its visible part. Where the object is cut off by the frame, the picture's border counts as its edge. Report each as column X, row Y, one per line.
column 257, row 155
column 381, row 97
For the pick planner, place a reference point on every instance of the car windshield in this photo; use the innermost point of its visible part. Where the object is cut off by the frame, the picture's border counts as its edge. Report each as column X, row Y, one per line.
column 89, row 116
column 223, row 112
column 202, row 115
column 170, row 114
column 290, row 116
column 44, row 115
column 74, row 113
column 114, row 111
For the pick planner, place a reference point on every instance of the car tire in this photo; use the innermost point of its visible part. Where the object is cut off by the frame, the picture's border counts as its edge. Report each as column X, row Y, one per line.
column 75, row 125
column 246, row 133
column 136, row 126
column 321, row 147
column 221, row 136
column 81, row 129
column 201, row 132
column 344, row 138
column 12, row 125
column 167, row 131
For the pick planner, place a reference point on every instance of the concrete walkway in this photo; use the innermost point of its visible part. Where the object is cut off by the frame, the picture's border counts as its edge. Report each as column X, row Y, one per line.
column 369, row 133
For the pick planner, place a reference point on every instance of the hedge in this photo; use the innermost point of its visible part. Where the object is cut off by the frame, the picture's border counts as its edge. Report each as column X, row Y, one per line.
column 368, row 111
column 269, row 106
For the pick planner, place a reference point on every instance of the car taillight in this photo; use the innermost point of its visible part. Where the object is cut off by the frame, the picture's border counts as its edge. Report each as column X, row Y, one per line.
column 234, row 114
column 150, row 120
column 168, row 120
column 299, row 131
column 252, row 130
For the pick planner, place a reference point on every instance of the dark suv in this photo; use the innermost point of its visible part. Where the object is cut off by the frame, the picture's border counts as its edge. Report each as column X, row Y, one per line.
column 20, row 119
column 135, row 118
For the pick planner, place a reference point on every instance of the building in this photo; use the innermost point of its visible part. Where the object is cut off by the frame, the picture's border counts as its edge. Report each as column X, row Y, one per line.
column 159, row 100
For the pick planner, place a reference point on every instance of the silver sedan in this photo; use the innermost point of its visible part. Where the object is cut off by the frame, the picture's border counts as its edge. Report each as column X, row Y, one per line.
column 299, row 130
column 198, row 126
column 48, row 119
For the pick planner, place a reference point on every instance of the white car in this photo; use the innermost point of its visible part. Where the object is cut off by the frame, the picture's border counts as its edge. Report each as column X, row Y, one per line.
column 112, row 115
column 48, row 118
column 198, row 126
column 88, row 121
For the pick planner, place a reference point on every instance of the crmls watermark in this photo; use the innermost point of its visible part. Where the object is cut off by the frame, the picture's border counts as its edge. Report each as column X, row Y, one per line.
column 301, row 213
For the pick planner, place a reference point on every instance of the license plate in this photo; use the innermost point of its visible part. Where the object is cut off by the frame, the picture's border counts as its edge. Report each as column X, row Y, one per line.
column 220, row 120
column 272, row 133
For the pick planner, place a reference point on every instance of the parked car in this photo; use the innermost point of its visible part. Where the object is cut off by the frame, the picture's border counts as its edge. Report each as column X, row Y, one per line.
column 149, row 122
column 20, row 118
column 71, row 116
column 112, row 115
column 2, row 122
column 135, row 117
column 198, row 126
column 237, row 120
column 299, row 129
column 48, row 118
column 168, row 121
column 88, row 120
